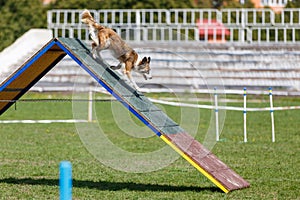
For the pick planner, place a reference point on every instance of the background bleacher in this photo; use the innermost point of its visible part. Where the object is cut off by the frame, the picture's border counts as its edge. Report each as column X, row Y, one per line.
column 180, row 60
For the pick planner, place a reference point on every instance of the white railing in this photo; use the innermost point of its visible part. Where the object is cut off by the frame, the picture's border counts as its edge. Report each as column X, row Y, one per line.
column 244, row 25
column 274, row 2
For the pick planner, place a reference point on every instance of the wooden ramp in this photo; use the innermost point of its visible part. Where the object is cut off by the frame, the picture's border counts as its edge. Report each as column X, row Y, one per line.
column 163, row 126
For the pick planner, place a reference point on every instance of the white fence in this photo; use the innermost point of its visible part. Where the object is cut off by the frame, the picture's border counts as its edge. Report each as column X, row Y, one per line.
column 169, row 38
column 245, row 25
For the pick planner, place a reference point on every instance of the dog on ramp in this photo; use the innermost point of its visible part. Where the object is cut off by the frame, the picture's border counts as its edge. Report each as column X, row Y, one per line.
column 106, row 38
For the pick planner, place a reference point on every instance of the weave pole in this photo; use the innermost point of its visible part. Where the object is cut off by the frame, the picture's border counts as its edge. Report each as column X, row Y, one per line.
column 217, row 115
column 245, row 114
column 65, row 180
column 272, row 114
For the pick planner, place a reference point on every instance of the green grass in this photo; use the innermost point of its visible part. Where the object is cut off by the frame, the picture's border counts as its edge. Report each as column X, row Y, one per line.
column 31, row 153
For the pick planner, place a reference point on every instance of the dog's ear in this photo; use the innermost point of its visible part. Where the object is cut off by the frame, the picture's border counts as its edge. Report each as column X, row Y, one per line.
column 144, row 60
column 149, row 59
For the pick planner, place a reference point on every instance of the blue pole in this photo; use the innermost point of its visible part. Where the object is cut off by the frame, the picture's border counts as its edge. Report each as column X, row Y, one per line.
column 65, row 180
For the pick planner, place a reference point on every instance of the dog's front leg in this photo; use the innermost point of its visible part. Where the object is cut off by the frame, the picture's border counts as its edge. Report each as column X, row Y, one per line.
column 131, row 80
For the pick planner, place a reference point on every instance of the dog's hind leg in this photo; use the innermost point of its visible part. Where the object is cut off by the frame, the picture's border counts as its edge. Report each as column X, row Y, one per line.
column 96, row 51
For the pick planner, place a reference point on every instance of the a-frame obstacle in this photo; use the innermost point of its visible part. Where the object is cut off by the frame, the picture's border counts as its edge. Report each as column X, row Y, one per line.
column 164, row 127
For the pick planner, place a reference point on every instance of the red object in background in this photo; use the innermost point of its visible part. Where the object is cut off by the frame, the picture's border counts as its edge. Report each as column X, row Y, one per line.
column 215, row 30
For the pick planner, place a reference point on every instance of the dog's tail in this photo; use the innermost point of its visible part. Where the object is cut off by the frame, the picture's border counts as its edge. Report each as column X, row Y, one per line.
column 87, row 15
column 87, row 18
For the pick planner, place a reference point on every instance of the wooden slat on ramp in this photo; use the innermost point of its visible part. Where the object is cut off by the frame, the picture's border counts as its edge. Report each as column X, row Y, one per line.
column 163, row 126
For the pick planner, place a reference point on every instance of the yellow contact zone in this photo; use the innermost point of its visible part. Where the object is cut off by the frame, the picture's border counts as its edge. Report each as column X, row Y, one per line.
column 216, row 182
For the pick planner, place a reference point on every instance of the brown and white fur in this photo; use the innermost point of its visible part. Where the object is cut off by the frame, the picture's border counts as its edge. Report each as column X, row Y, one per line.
column 106, row 38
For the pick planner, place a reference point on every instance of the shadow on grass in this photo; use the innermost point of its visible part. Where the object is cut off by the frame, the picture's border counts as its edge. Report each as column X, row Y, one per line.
column 106, row 185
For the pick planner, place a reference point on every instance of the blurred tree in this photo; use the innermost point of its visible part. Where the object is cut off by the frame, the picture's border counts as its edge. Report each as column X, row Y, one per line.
column 232, row 4
column 17, row 17
column 293, row 4
column 2, row 3
column 164, row 4
column 146, row 4
column 77, row 4
column 122, row 4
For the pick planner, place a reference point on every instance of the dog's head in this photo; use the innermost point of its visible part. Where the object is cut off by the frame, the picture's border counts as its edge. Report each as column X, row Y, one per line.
column 86, row 17
column 144, row 68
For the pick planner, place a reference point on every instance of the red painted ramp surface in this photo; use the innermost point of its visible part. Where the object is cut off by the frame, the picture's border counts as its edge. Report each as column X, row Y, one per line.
column 206, row 162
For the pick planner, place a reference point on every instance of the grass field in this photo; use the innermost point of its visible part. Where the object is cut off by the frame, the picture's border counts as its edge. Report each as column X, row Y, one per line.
column 31, row 153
